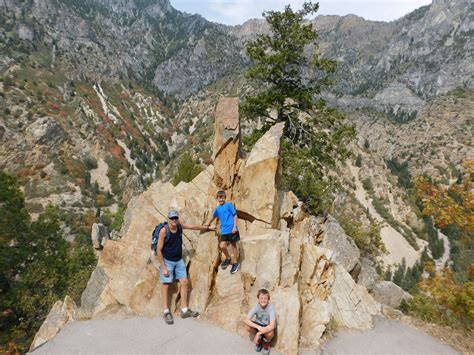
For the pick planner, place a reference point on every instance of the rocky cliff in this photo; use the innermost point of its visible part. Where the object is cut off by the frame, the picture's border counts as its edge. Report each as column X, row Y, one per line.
column 422, row 55
column 305, row 262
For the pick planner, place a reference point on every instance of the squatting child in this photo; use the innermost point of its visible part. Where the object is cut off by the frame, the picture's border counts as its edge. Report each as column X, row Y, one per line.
column 261, row 322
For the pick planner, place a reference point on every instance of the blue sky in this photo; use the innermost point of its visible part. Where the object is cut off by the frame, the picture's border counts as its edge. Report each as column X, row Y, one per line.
column 234, row 12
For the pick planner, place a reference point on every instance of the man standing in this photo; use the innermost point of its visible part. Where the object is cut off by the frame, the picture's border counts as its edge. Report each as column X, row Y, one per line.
column 172, row 266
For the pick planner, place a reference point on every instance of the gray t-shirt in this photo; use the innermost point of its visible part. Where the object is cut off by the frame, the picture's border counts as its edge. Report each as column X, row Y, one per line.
column 263, row 315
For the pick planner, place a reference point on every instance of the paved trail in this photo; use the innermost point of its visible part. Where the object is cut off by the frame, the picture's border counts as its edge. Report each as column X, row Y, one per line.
column 140, row 335
column 387, row 337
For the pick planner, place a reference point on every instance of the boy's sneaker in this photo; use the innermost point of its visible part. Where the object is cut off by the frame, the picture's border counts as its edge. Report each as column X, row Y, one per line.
column 235, row 267
column 225, row 263
column 168, row 317
column 266, row 348
column 259, row 346
column 189, row 313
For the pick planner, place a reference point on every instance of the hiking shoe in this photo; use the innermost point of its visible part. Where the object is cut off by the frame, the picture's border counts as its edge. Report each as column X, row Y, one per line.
column 266, row 348
column 189, row 313
column 225, row 263
column 235, row 267
column 258, row 347
column 168, row 317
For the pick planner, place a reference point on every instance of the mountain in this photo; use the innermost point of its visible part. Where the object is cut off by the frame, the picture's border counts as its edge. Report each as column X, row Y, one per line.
column 101, row 98
column 147, row 41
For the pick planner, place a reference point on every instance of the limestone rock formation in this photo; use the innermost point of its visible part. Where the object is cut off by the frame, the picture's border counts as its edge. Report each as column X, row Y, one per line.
column 388, row 293
column 99, row 235
column 368, row 276
column 61, row 313
column 346, row 252
column 256, row 192
column 45, row 131
column 226, row 141
column 304, row 261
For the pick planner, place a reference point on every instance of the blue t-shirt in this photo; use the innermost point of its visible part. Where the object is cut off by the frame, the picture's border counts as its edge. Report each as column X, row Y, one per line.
column 226, row 213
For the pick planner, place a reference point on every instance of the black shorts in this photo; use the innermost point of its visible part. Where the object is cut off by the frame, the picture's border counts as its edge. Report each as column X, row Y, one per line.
column 233, row 238
column 259, row 323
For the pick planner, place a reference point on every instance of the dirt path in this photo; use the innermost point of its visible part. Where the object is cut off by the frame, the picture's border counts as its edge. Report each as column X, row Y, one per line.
column 447, row 254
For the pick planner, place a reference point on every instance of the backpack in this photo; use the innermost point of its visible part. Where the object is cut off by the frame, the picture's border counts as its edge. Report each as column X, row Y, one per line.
column 156, row 233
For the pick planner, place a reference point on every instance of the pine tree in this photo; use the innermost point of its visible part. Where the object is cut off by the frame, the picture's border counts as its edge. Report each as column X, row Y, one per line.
column 289, row 84
column 187, row 169
column 399, row 274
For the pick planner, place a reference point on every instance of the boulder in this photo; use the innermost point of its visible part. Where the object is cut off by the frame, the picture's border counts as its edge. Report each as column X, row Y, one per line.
column 346, row 252
column 146, row 298
column 132, row 186
column 351, row 305
column 94, row 293
column 289, row 202
column 256, row 195
column 202, row 271
column 287, row 307
column 99, row 235
column 61, row 313
column 226, row 141
column 390, row 294
column 228, row 305
column 314, row 318
column 368, row 276
column 260, row 259
column 305, row 231
column 45, row 131
column 317, row 273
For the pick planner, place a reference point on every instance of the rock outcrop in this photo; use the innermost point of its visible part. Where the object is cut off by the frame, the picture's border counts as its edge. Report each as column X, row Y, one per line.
column 45, row 131
column 99, row 235
column 390, row 294
column 304, row 261
column 226, row 141
column 61, row 313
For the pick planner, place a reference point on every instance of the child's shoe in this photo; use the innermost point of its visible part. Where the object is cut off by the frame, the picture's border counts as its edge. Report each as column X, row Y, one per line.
column 259, row 346
column 266, row 348
column 235, row 267
column 225, row 263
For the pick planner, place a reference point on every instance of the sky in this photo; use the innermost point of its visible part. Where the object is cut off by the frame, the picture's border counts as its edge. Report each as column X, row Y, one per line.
column 235, row 12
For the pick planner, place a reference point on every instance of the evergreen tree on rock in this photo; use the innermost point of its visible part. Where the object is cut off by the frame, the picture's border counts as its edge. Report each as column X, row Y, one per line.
column 289, row 80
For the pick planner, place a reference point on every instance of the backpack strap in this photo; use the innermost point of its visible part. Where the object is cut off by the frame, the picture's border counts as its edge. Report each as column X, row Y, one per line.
column 168, row 232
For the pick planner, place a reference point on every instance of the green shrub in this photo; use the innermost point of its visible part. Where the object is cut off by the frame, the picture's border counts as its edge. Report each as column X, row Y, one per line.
column 90, row 163
column 186, row 170
column 368, row 186
column 367, row 240
column 401, row 171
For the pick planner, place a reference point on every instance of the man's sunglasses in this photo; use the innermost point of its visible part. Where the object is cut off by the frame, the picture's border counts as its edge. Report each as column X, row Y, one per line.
column 174, row 218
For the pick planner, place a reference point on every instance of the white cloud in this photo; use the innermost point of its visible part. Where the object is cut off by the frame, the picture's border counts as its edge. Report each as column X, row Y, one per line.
column 233, row 12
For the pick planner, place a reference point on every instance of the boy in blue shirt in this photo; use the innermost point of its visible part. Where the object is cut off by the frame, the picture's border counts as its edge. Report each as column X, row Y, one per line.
column 228, row 219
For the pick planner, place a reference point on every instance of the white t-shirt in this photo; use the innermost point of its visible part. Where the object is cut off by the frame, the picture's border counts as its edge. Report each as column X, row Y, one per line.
column 263, row 316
